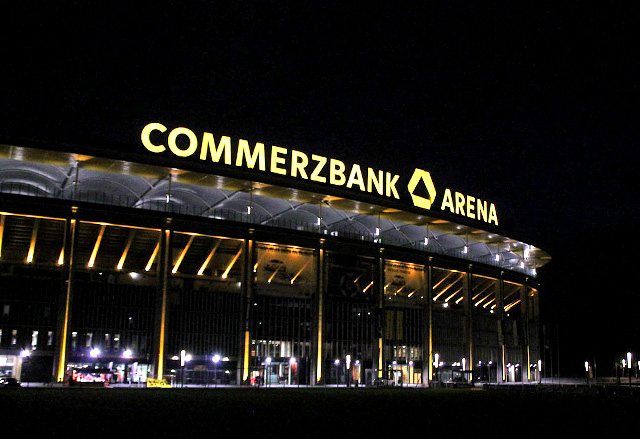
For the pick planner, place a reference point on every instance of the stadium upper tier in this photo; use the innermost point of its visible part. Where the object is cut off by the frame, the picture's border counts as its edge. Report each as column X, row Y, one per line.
column 90, row 179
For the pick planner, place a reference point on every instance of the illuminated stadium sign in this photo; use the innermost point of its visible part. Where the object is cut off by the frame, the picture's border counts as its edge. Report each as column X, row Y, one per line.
column 183, row 142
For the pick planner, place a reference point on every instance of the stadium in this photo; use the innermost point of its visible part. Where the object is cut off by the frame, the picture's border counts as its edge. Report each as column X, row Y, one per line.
column 197, row 258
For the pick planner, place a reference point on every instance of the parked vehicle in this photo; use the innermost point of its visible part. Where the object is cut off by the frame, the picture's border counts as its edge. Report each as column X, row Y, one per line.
column 9, row 382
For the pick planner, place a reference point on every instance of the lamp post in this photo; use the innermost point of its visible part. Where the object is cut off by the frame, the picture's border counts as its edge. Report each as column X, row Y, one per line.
column 629, row 364
column 337, row 364
column 216, row 360
column 126, row 356
column 292, row 364
column 267, row 363
column 586, row 371
column 184, row 359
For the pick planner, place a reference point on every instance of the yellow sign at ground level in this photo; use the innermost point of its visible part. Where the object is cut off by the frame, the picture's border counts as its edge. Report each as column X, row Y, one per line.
column 152, row 382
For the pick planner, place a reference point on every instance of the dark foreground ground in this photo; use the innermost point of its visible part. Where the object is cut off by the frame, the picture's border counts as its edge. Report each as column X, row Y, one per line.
column 302, row 413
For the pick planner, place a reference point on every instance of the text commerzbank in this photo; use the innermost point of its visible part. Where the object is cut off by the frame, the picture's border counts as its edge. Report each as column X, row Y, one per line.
column 281, row 161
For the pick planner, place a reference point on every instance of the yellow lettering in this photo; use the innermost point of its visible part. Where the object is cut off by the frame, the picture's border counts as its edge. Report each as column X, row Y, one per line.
column 373, row 181
column 355, row 177
column 493, row 217
column 459, row 203
column 209, row 145
column 482, row 210
column 447, row 201
column 251, row 158
column 471, row 206
column 146, row 131
column 336, row 172
column 299, row 162
column 193, row 142
column 391, row 185
column 277, row 160
column 315, row 175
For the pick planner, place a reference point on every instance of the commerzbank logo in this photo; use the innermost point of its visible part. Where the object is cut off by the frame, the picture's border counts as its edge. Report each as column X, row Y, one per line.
column 422, row 176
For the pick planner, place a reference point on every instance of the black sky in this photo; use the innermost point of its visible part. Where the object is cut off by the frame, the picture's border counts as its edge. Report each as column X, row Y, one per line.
column 531, row 106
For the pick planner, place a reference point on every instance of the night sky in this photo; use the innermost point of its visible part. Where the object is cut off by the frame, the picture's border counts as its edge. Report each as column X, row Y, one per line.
column 532, row 107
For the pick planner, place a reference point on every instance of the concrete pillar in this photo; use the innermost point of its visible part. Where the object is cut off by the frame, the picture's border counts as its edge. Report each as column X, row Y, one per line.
column 317, row 354
column 526, row 352
column 163, row 284
column 65, row 298
column 244, row 353
column 427, row 333
column 468, row 311
column 502, row 372
column 378, row 349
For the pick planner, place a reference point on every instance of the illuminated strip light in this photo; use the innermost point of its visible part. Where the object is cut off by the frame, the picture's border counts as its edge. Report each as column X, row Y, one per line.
column 1, row 232
column 255, row 267
column 483, row 299
column 94, row 253
column 511, row 305
column 274, row 273
column 494, row 306
column 233, row 261
column 182, row 255
column 101, row 223
column 412, row 293
column 367, row 287
column 387, row 285
column 459, row 300
column 400, row 289
column 442, row 280
column 153, row 255
column 449, row 298
column 132, row 234
column 483, row 290
column 299, row 272
column 358, row 278
column 61, row 257
column 446, row 288
column 510, row 294
column 206, row 262
column 34, row 236
column 489, row 303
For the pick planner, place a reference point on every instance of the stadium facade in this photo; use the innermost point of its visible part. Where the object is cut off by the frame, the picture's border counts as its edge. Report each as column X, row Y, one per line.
column 196, row 257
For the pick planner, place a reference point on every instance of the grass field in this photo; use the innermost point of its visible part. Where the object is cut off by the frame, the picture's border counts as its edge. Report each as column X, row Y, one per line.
column 328, row 413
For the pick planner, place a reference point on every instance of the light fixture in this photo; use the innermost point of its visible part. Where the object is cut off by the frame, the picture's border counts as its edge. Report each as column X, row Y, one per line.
column 216, row 358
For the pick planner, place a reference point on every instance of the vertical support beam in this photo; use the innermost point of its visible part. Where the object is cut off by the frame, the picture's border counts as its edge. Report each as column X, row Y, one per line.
column 378, row 350
column 1, row 233
column 502, row 371
column 65, row 298
column 247, row 296
column 468, row 311
column 163, row 285
column 427, row 338
column 526, row 354
column 316, row 373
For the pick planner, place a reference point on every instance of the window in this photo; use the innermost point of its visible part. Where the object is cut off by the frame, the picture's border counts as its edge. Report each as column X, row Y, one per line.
column 34, row 339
